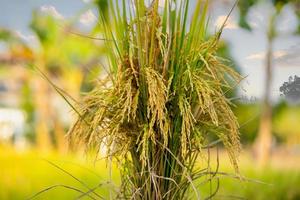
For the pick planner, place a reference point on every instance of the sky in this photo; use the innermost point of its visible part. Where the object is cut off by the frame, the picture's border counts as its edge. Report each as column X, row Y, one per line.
column 248, row 48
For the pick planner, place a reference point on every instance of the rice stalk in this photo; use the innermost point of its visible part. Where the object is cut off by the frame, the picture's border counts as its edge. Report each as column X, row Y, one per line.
column 163, row 96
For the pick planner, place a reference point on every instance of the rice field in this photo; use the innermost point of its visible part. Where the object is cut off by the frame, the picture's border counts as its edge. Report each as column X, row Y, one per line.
column 24, row 174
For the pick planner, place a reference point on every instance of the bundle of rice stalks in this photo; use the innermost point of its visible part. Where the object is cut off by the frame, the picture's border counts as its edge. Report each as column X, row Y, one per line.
column 163, row 95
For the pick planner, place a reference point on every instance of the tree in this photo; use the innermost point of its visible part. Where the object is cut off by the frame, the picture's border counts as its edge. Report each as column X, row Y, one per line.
column 264, row 138
column 291, row 89
column 62, row 57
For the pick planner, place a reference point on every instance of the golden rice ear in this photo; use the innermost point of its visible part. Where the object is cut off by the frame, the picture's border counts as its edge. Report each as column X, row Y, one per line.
column 165, row 96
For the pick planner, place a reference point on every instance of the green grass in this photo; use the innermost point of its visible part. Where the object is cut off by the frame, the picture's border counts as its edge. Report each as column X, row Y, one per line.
column 24, row 174
column 283, row 185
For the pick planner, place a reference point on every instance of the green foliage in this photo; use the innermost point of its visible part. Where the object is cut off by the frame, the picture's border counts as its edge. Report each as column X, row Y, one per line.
column 45, row 27
column 245, row 5
column 297, row 10
column 225, row 53
column 27, row 105
column 163, row 95
column 62, row 54
column 279, row 4
column 248, row 118
column 5, row 35
column 286, row 125
column 59, row 48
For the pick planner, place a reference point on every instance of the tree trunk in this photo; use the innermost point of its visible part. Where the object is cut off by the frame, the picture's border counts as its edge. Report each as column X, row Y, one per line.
column 42, row 104
column 264, row 139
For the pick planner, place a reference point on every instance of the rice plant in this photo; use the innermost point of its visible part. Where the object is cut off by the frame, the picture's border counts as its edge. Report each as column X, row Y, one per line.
column 163, row 96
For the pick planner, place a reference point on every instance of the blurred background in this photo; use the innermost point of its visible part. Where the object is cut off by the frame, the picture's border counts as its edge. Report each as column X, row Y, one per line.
column 51, row 52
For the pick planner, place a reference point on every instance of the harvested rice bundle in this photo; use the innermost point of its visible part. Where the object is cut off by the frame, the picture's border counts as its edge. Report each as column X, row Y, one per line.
column 163, row 95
